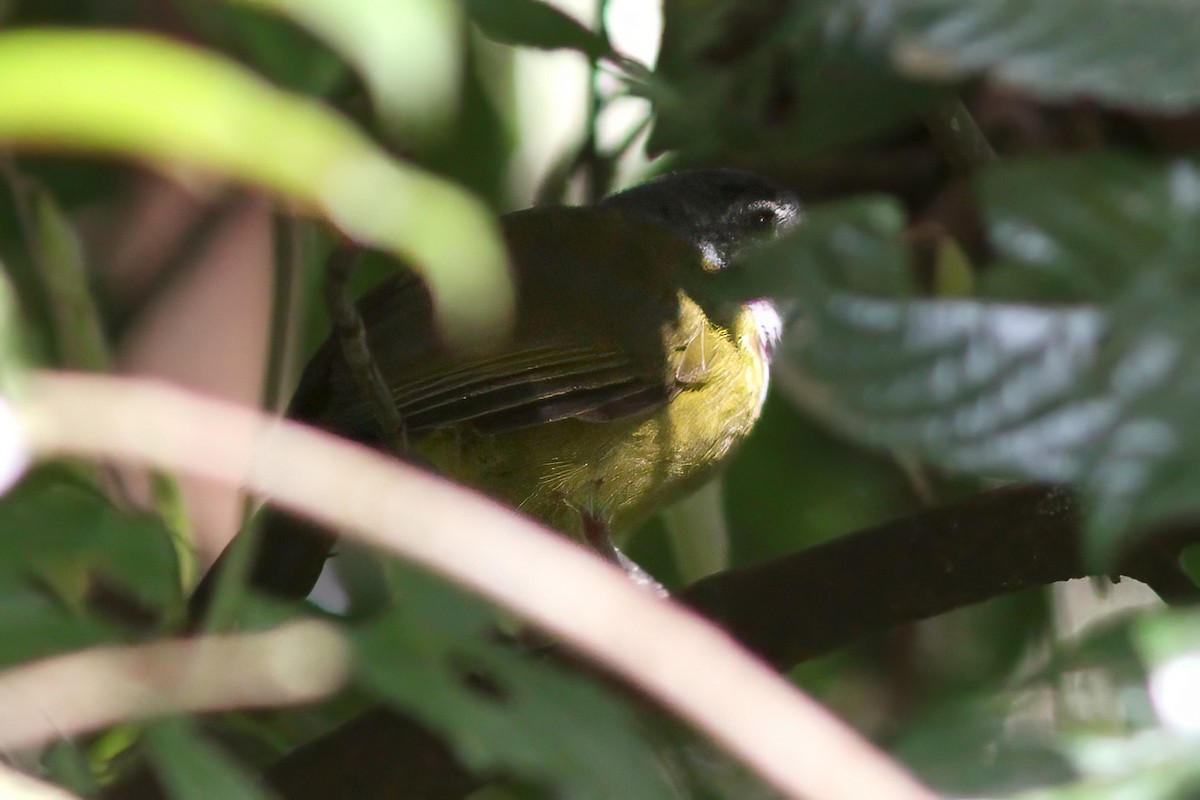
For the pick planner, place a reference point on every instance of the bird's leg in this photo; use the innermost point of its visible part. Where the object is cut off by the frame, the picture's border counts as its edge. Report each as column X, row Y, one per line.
column 352, row 336
column 596, row 534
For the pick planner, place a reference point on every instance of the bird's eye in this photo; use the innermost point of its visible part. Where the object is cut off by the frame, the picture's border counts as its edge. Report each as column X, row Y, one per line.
column 759, row 218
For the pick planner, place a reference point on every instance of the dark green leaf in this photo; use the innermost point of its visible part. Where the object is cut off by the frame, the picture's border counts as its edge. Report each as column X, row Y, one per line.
column 35, row 625
column 58, row 530
column 1139, row 54
column 854, row 243
column 435, row 657
column 194, row 769
column 530, row 23
column 787, row 79
column 1102, row 395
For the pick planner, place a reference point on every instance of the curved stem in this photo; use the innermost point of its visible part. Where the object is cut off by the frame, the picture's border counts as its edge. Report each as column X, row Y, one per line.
column 683, row 662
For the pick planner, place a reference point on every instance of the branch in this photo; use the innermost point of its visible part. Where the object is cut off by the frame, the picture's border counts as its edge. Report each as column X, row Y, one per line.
column 997, row 542
column 674, row 657
column 958, row 137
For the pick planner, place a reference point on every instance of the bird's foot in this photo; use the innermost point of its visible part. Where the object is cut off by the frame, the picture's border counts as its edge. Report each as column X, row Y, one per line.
column 595, row 532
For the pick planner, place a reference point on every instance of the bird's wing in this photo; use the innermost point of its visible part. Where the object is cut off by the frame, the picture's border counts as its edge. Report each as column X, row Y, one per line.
column 596, row 339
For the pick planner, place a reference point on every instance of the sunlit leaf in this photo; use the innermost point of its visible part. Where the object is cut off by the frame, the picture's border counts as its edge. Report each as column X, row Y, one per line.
column 408, row 52
column 1153, row 765
column 181, row 106
column 1101, row 392
column 531, row 23
column 1138, row 53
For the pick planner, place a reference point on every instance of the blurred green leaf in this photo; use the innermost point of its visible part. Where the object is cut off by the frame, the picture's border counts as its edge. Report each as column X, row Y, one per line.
column 1189, row 562
column 1164, row 636
column 58, row 255
column 58, row 530
column 192, row 768
column 968, row 748
column 34, row 624
column 286, row 55
column 197, row 109
column 409, row 53
column 436, row 657
column 1100, row 395
column 1081, row 229
column 531, row 23
column 784, row 79
column 1137, row 54
column 853, row 244
column 1151, row 766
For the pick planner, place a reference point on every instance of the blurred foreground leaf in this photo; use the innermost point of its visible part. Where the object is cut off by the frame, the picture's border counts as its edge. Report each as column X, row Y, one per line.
column 436, row 657
column 408, row 53
column 57, row 529
column 192, row 768
column 63, row 549
column 1136, row 54
column 58, row 255
column 1101, row 392
column 179, row 105
column 531, row 23
column 785, row 79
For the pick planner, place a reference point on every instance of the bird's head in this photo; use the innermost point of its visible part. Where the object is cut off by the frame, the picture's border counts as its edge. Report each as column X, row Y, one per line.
column 723, row 212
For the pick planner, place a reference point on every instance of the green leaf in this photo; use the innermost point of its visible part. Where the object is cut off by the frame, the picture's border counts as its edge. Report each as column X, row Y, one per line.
column 1103, row 223
column 435, row 657
column 34, row 624
column 56, row 529
column 284, row 54
column 409, row 53
column 1164, row 636
column 854, row 243
column 530, row 23
column 58, row 256
column 1153, row 765
column 192, row 768
column 1137, row 54
column 179, row 105
column 765, row 78
column 1100, row 392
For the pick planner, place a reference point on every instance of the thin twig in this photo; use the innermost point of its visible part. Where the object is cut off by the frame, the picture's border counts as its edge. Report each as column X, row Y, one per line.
column 351, row 332
column 287, row 310
column 958, row 137
column 684, row 663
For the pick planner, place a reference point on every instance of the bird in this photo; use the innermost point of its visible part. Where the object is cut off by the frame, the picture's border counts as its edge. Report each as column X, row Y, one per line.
column 628, row 381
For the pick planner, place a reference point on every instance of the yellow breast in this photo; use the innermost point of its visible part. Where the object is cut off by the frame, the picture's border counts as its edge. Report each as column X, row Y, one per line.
column 623, row 471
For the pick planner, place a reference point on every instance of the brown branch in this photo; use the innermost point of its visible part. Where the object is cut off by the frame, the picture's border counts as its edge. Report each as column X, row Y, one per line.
column 994, row 543
column 958, row 137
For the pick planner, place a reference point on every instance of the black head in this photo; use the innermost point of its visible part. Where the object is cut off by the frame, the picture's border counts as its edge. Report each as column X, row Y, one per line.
column 721, row 211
